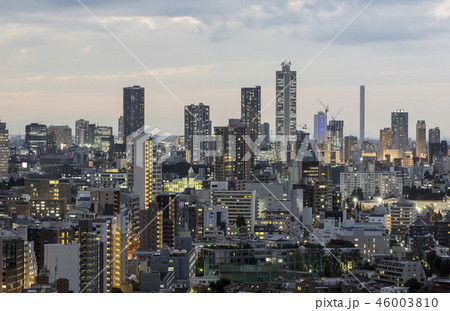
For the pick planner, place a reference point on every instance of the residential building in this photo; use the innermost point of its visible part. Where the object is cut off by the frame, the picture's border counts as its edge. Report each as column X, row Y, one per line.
column 286, row 101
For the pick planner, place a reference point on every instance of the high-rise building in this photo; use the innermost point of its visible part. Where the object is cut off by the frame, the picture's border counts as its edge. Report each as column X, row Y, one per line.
column 229, row 163
column 151, row 235
column 144, row 167
column 251, row 116
column 436, row 147
column 36, row 137
column 131, row 202
column 437, row 150
column 286, row 101
column 434, row 136
column 11, row 262
column 403, row 216
column 4, row 151
column 197, row 124
column 58, row 138
column 350, row 145
column 385, row 142
column 133, row 109
column 320, row 127
column 362, row 114
column 167, row 204
column 421, row 139
column 104, row 138
column 265, row 131
column 399, row 125
column 239, row 204
column 251, row 111
column 335, row 134
column 89, row 135
column 384, row 184
column 81, row 126
column 121, row 139
column 93, row 239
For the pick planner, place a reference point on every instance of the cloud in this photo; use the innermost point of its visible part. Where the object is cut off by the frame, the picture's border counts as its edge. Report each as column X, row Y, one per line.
column 87, row 49
column 159, row 72
column 442, row 10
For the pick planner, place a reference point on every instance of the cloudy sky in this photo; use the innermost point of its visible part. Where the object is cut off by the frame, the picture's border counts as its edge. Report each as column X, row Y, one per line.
column 59, row 64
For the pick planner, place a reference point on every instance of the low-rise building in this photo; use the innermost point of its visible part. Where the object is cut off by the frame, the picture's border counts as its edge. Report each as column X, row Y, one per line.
column 399, row 272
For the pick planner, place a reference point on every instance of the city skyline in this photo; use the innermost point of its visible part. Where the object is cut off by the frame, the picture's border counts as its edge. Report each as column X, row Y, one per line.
column 282, row 146
column 47, row 87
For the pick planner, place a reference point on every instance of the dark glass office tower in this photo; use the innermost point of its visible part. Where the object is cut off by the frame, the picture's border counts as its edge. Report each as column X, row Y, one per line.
column 251, row 111
column 36, row 137
column 399, row 127
column 133, row 109
column 196, row 125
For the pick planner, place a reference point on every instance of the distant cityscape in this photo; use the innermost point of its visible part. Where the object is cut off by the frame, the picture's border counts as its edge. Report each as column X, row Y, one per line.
column 238, row 207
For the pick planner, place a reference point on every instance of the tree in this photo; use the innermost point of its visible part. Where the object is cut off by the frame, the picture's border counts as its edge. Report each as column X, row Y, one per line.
column 218, row 287
column 447, row 216
column 241, row 222
column 413, row 285
column 433, row 215
column 360, row 194
column 433, row 261
column 11, row 182
column 296, row 261
column 377, row 192
column 444, row 268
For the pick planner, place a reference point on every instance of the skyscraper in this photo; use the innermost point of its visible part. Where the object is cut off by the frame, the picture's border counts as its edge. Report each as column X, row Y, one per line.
column 362, row 114
column 434, row 136
column 121, row 129
column 133, row 109
column 421, row 139
column 265, row 131
column 144, row 167
column 399, row 125
column 4, row 151
column 196, row 125
column 229, row 162
column 286, row 101
column 385, row 142
column 103, row 138
column 59, row 137
column 251, row 116
column 36, row 137
column 335, row 134
column 81, row 126
column 251, row 111
column 320, row 127
column 435, row 148
column 350, row 144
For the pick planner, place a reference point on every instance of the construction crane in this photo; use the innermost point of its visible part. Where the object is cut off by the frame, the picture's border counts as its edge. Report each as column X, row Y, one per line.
column 327, row 108
column 336, row 115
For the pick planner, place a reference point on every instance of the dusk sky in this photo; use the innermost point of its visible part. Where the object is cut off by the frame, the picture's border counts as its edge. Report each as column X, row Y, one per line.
column 58, row 64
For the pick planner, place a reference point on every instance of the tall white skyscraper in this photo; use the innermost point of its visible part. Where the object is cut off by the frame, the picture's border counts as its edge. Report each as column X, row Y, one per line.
column 144, row 167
